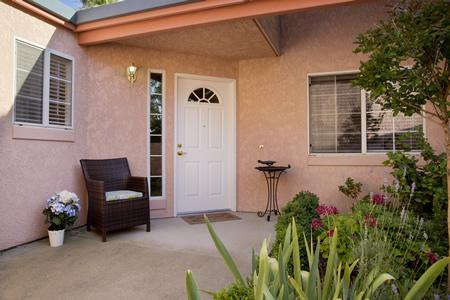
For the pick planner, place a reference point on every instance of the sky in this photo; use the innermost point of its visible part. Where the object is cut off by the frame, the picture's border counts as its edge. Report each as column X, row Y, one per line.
column 72, row 3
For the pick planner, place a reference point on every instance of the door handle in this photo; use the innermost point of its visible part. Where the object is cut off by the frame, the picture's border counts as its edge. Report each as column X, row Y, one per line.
column 179, row 151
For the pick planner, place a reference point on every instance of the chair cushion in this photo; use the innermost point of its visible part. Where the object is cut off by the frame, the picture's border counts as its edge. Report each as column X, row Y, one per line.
column 122, row 194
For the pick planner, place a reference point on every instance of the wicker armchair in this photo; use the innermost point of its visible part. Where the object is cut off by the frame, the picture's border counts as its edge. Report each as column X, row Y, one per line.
column 107, row 175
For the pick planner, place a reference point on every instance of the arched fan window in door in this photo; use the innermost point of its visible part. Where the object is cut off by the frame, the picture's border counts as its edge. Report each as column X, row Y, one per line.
column 203, row 95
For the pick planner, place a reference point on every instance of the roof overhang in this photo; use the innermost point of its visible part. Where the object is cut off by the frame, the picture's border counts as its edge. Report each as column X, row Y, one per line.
column 135, row 18
column 190, row 14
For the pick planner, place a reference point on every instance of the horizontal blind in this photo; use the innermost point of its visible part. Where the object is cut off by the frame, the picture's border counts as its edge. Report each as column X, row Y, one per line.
column 335, row 114
column 60, row 93
column 29, row 83
column 386, row 132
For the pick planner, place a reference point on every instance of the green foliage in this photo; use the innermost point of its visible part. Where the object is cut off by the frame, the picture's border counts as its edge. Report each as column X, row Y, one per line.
column 303, row 209
column 422, row 187
column 94, row 3
column 351, row 188
column 273, row 281
column 386, row 237
column 192, row 290
column 408, row 67
column 225, row 254
column 348, row 227
column 409, row 58
column 428, row 178
column 235, row 292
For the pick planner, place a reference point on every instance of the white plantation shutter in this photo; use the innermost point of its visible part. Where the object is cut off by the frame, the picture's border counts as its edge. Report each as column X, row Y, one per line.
column 29, row 84
column 335, row 115
column 43, row 87
column 60, row 94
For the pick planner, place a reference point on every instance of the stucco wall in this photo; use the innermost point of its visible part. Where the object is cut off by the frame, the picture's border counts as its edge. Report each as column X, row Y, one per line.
column 31, row 170
column 117, row 121
column 273, row 108
column 110, row 115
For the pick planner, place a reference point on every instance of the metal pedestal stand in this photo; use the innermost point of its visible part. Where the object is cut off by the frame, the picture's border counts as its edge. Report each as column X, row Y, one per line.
column 272, row 175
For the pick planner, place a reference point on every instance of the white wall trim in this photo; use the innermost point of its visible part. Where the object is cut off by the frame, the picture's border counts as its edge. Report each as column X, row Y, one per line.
column 162, row 199
column 46, row 85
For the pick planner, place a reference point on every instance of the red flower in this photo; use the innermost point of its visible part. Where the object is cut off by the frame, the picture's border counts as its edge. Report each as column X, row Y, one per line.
column 325, row 210
column 330, row 232
column 432, row 258
column 378, row 199
column 316, row 224
column 370, row 221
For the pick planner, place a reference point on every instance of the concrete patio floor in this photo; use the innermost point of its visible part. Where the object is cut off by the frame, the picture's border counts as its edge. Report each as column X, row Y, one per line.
column 133, row 264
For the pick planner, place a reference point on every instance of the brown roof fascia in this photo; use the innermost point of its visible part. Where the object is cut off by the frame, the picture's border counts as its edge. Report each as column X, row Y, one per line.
column 41, row 14
column 239, row 9
column 157, row 13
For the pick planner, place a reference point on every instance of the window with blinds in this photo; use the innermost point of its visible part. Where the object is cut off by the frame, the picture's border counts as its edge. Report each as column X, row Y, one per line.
column 387, row 133
column 342, row 119
column 43, row 87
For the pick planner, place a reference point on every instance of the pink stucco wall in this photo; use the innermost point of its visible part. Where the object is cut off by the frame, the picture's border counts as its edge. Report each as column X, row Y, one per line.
column 116, row 121
column 110, row 115
column 31, row 170
column 109, row 121
column 273, row 108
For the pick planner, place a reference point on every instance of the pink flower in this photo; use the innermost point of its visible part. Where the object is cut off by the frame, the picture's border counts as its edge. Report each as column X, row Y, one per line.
column 325, row 210
column 330, row 232
column 432, row 258
column 378, row 199
column 316, row 224
column 370, row 221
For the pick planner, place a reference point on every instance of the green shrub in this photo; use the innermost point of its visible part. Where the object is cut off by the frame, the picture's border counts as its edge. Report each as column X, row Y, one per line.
column 271, row 279
column 348, row 226
column 351, row 188
column 422, row 187
column 384, row 236
column 303, row 209
column 235, row 291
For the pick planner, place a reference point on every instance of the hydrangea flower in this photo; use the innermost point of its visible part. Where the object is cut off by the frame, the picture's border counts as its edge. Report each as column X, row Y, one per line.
column 62, row 210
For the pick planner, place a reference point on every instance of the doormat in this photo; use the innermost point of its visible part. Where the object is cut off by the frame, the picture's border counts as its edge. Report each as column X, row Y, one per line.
column 213, row 217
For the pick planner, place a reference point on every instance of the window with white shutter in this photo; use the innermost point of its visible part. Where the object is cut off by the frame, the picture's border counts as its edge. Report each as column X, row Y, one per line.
column 44, row 86
column 60, row 94
column 343, row 119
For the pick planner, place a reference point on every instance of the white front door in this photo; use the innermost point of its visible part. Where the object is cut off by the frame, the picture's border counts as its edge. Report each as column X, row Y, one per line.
column 205, row 175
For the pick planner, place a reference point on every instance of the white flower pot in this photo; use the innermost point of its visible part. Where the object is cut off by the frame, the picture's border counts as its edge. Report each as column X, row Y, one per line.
column 56, row 237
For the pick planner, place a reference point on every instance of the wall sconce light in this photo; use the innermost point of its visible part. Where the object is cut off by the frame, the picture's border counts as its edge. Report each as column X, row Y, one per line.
column 131, row 73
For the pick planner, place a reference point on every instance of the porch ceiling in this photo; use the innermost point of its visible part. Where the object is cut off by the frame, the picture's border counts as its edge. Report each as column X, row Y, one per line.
column 241, row 39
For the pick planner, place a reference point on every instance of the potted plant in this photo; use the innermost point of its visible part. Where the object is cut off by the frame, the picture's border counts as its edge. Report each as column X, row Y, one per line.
column 61, row 212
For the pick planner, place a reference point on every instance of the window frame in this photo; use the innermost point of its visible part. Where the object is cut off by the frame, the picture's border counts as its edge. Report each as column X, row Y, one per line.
column 363, row 120
column 46, row 86
column 163, row 130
